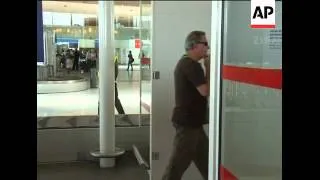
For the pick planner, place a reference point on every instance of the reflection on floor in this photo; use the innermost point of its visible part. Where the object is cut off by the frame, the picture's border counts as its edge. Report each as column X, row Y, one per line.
column 85, row 103
column 126, row 168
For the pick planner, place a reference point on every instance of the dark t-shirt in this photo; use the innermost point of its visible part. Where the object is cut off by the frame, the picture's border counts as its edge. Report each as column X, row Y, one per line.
column 190, row 106
column 130, row 58
column 76, row 55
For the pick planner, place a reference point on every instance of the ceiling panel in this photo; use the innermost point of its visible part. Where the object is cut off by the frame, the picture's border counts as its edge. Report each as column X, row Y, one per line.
column 128, row 3
column 122, row 8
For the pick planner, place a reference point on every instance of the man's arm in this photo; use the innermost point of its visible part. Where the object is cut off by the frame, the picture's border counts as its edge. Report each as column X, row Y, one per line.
column 196, row 76
column 204, row 89
column 207, row 66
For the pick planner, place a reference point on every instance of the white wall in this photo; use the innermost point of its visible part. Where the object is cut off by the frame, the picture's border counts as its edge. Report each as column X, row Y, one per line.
column 172, row 21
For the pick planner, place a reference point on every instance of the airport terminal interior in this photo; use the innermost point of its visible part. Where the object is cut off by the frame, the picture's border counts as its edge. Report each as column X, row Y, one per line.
column 68, row 87
column 68, row 95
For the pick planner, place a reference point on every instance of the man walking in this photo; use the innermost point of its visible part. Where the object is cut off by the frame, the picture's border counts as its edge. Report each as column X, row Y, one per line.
column 191, row 109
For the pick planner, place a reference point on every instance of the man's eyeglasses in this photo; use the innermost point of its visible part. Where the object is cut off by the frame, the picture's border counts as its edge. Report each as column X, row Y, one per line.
column 204, row 43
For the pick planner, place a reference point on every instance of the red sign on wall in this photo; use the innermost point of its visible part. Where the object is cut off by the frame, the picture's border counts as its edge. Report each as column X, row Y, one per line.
column 137, row 43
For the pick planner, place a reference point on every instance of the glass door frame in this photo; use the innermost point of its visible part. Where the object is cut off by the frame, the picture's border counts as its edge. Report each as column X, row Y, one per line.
column 215, row 98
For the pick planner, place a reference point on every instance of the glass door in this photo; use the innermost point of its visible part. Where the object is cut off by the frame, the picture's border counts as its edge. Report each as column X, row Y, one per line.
column 145, row 62
column 251, row 130
column 127, row 49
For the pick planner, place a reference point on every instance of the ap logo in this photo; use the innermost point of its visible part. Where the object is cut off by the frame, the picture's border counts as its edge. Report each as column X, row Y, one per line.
column 263, row 14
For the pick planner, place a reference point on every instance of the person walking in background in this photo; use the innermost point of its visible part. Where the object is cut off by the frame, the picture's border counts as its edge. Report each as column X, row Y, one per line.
column 130, row 61
column 116, row 97
column 117, row 101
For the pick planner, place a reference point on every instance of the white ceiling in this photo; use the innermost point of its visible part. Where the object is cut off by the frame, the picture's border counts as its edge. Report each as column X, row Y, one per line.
column 125, row 3
column 129, row 3
column 122, row 8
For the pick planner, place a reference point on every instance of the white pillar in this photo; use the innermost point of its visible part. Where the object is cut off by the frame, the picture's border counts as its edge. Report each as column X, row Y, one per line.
column 106, row 82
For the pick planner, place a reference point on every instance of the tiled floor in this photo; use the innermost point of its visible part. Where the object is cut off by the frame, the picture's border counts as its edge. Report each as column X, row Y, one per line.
column 86, row 102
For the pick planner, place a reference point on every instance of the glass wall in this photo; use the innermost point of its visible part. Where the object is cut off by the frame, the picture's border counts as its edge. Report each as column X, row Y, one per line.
column 67, row 30
column 251, row 95
column 145, row 63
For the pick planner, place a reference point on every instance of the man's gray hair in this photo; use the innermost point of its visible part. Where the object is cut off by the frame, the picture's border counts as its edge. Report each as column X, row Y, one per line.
column 192, row 39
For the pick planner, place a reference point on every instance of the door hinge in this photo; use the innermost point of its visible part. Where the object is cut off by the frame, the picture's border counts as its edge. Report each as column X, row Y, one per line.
column 155, row 155
column 156, row 75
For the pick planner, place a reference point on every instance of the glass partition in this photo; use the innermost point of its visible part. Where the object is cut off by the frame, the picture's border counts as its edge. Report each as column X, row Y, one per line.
column 145, row 62
column 71, row 29
column 251, row 95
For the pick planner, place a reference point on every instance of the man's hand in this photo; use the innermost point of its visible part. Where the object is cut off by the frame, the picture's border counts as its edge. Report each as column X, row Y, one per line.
column 207, row 66
column 207, row 61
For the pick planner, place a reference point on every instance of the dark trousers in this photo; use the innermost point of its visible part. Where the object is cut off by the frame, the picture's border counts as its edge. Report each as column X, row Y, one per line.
column 117, row 102
column 130, row 65
column 92, row 63
column 190, row 145
column 75, row 65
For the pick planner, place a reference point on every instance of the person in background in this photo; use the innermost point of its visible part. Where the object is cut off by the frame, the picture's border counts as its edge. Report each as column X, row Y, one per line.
column 75, row 66
column 117, row 102
column 91, row 58
column 116, row 97
column 130, row 61
column 63, row 59
column 69, row 62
